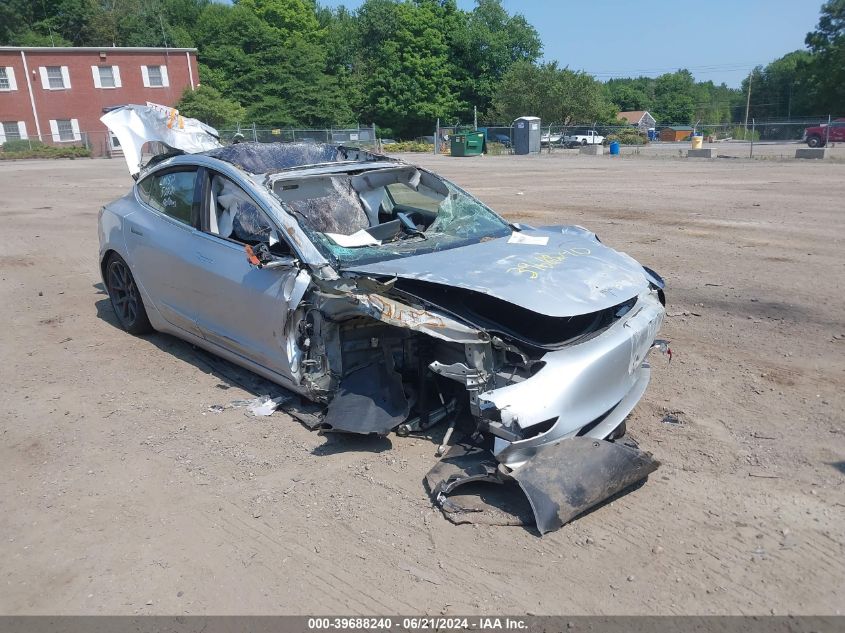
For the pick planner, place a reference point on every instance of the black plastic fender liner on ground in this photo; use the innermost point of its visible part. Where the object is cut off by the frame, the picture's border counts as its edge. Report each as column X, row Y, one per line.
column 560, row 481
column 566, row 479
column 462, row 464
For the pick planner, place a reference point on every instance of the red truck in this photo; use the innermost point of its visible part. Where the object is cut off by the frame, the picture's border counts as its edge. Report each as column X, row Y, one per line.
column 819, row 135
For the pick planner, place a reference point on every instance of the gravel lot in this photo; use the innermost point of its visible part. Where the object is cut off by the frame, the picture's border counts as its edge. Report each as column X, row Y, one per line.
column 122, row 493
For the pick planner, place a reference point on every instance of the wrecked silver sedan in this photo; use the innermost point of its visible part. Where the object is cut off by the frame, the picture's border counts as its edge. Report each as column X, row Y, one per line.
column 392, row 300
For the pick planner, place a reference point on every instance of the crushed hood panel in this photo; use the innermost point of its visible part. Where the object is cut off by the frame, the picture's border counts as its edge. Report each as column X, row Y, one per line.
column 135, row 125
column 568, row 276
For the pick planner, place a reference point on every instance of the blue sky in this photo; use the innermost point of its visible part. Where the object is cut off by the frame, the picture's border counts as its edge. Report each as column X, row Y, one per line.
column 720, row 40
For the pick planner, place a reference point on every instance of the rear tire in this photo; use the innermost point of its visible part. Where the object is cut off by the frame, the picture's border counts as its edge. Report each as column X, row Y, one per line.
column 814, row 141
column 126, row 297
column 583, row 141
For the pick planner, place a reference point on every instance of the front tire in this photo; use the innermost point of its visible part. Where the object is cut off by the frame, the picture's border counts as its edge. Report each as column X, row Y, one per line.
column 125, row 297
column 583, row 141
column 814, row 141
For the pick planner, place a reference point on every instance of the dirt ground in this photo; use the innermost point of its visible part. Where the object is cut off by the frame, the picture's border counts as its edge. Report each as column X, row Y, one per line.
column 122, row 493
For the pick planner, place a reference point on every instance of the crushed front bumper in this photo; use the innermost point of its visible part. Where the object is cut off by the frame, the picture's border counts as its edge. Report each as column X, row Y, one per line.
column 583, row 389
column 560, row 418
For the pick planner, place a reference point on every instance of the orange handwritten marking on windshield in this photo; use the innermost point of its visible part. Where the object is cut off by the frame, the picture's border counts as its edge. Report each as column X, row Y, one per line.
column 545, row 261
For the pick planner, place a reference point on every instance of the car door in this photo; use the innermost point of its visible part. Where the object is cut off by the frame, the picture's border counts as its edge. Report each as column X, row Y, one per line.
column 239, row 306
column 837, row 131
column 159, row 239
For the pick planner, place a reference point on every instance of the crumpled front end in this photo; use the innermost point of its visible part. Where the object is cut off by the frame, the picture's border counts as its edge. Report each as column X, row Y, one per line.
column 549, row 420
column 556, row 431
column 582, row 390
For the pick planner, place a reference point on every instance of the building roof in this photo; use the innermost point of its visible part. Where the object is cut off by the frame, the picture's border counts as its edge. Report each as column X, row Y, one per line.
column 96, row 49
column 679, row 128
column 634, row 116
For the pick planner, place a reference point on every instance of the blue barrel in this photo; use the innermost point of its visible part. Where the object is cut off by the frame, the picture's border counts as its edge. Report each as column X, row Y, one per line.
column 614, row 148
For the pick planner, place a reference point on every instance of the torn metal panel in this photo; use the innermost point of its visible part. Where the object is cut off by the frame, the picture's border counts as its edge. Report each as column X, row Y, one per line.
column 136, row 125
column 417, row 319
column 566, row 479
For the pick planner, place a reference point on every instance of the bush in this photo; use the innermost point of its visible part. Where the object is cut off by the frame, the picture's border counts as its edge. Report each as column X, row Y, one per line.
column 21, row 145
column 409, row 146
column 45, row 151
column 496, row 149
column 739, row 133
column 628, row 137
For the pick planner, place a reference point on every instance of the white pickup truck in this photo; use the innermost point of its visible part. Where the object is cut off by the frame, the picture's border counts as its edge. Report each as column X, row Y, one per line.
column 583, row 137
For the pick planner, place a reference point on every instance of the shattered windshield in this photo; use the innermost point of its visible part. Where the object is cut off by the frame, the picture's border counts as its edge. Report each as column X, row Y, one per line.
column 383, row 214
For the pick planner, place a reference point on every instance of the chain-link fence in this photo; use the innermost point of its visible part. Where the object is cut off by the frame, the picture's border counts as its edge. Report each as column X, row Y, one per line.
column 814, row 131
column 103, row 143
column 775, row 137
column 357, row 135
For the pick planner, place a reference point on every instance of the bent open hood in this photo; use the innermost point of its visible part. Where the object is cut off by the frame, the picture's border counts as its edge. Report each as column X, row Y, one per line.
column 571, row 274
column 135, row 125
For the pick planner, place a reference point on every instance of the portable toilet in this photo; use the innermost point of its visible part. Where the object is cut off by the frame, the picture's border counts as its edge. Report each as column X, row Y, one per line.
column 526, row 135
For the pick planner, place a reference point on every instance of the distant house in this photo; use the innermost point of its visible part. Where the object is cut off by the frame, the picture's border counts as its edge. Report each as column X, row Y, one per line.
column 640, row 118
column 676, row 133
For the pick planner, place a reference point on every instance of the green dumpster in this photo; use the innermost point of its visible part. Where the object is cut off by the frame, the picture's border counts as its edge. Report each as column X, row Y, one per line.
column 467, row 144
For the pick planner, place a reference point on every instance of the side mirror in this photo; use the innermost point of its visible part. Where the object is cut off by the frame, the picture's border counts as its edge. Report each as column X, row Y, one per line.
column 281, row 262
column 261, row 257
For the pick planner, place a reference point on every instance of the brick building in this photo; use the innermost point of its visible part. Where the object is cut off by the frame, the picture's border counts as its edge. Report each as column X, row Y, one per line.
column 58, row 94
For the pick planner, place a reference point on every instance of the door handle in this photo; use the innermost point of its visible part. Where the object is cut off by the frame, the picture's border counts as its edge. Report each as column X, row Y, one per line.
column 205, row 259
column 132, row 229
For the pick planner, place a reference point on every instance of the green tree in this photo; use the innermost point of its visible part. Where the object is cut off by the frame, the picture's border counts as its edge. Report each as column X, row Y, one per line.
column 676, row 97
column 278, row 73
column 483, row 45
column 342, row 47
column 209, row 106
column 631, row 94
column 556, row 95
column 783, row 88
column 405, row 64
column 827, row 68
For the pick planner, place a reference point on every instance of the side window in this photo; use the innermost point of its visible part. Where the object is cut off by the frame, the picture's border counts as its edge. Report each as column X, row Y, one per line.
column 172, row 193
column 233, row 214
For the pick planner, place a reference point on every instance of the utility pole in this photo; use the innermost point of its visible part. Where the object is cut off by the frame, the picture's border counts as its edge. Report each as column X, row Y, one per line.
column 747, row 106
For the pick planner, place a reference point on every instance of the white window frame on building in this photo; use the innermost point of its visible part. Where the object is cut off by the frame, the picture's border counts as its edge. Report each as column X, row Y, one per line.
column 19, row 135
column 145, row 73
column 7, row 79
column 102, row 80
column 48, row 81
column 70, row 131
